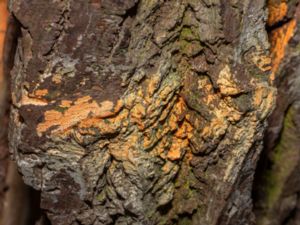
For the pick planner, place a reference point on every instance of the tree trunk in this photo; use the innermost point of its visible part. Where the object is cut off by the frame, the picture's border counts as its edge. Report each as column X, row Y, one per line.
column 3, row 108
column 15, row 207
column 144, row 112
column 277, row 184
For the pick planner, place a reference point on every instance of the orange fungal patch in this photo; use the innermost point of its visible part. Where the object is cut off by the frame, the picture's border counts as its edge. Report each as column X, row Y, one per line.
column 277, row 11
column 177, row 149
column 35, row 99
column 280, row 36
column 80, row 110
column 279, row 40
column 226, row 83
column 57, row 78
column 41, row 93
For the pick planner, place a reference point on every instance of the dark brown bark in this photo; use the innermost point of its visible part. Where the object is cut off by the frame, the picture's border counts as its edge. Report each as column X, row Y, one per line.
column 3, row 109
column 15, row 198
column 142, row 112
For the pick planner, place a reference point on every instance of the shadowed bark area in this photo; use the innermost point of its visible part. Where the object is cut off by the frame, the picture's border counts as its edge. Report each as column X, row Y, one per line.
column 18, row 205
column 3, row 108
column 277, row 184
column 139, row 111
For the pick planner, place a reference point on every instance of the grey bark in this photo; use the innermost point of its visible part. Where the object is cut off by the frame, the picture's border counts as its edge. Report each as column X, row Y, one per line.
column 141, row 112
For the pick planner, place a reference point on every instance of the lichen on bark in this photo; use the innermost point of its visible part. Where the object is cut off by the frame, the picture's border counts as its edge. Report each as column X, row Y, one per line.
column 141, row 112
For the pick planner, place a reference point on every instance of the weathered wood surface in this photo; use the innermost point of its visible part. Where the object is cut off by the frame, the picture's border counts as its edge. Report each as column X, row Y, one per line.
column 139, row 111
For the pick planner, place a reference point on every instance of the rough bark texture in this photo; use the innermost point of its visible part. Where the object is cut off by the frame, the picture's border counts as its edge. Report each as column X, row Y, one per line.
column 277, row 185
column 14, row 195
column 141, row 111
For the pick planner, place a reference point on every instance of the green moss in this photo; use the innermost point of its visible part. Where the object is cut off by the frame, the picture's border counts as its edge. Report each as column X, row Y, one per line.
column 187, row 34
column 101, row 197
column 190, row 48
column 189, row 42
column 284, row 162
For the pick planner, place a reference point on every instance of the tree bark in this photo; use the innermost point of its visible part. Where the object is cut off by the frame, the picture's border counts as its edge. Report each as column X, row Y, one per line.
column 14, row 195
column 139, row 111
column 3, row 108
column 277, row 184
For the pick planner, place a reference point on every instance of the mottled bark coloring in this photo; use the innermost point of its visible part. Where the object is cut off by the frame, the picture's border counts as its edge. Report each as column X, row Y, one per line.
column 141, row 111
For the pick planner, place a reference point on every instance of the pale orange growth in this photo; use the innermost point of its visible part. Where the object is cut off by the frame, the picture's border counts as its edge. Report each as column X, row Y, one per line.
column 175, row 153
column 258, row 97
column 41, row 93
column 180, row 107
column 185, row 131
column 80, row 110
column 173, row 122
column 213, row 127
column 277, row 11
column 57, row 78
column 173, row 136
column 66, row 103
column 33, row 101
column 177, row 149
column 178, row 112
column 103, row 126
column 126, row 150
column 280, row 37
column 168, row 166
column 205, row 84
column 147, row 141
column 226, row 82
column 138, row 113
column 166, row 112
column 28, row 99
column 153, row 83
column 279, row 41
column 129, row 101
column 264, row 100
column 263, row 62
column 118, row 152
